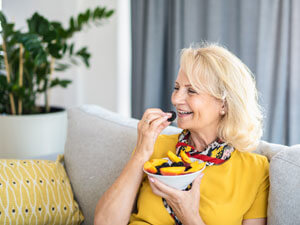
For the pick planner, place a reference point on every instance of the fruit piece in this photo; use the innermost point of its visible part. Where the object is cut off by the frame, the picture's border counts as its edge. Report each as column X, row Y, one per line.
column 173, row 117
column 149, row 167
column 173, row 157
column 161, row 166
column 158, row 162
column 185, row 157
column 177, row 164
column 172, row 171
column 187, row 168
column 195, row 166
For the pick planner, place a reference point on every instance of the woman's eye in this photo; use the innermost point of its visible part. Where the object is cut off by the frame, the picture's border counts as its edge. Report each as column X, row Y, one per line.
column 192, row 91
column 176, row 88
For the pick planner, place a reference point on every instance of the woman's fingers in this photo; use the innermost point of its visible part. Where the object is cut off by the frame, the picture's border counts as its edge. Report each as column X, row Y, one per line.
column 149, row 119
column 196, row 185
column 149, row 127
column 197, row 181
column 156, row 191
column 152, row 111
column 150, row 115
column 162, row 189
column 167, row 192
column 159, row 124
column 155, row 188
column 154, row 122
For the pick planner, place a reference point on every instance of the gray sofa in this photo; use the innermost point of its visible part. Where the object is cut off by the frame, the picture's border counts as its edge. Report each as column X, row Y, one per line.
column 100, row 142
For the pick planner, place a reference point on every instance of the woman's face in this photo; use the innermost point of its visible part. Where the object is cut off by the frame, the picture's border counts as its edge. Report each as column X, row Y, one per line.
column 199, row 112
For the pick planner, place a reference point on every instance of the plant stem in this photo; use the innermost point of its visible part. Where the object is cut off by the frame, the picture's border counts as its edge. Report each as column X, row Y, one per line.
column 11, row 97
column 20, row 77
column 48, row 91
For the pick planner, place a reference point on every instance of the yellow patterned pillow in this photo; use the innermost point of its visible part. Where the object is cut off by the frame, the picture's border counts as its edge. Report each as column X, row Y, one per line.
column 36, row 192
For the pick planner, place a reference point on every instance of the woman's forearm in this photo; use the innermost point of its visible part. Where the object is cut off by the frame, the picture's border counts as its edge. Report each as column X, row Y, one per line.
column 116, row 204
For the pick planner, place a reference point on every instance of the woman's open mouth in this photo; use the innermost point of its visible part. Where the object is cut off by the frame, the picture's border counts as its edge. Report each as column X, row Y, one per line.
column 184, row 113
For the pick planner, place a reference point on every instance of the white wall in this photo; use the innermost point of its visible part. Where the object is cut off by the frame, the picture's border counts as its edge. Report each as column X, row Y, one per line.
column 96, row 85
column 99, row 83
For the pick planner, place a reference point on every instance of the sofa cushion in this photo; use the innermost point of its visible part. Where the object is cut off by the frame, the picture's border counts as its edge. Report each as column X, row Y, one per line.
column 36, row 192
column 284, row 194
column 269, row 149
column 99, row 143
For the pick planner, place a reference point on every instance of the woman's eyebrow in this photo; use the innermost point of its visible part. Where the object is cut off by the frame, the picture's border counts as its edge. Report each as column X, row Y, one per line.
column 187, row 85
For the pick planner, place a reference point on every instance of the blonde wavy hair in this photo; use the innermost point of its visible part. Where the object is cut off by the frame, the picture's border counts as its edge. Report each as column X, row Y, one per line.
column 215, row 70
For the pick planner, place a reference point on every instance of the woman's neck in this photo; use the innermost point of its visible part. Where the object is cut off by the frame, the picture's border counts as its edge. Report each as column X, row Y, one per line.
column 200, row 141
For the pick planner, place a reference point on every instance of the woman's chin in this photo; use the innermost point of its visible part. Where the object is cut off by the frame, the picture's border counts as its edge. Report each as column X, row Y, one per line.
column 183, row 125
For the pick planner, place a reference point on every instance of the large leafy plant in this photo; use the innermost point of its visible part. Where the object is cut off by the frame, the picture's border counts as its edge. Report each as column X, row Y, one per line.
column 29, row 59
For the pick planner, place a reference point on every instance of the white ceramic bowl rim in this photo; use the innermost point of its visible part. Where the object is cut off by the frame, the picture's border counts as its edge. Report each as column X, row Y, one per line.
column 181, row 175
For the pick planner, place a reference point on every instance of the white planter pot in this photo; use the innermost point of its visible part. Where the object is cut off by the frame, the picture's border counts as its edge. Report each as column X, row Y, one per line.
column 31, row 136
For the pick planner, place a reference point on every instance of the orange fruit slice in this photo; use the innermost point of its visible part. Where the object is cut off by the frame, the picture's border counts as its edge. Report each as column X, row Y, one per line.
column 172, row 171
column 185, row 157
column 148, row 166
column 195, row 166
column 173, row 157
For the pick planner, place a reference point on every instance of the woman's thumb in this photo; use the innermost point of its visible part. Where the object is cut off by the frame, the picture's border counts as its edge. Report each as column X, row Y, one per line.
column 197, row 182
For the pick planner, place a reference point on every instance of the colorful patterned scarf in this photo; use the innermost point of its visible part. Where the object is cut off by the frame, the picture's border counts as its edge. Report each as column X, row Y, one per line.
column 215, row 153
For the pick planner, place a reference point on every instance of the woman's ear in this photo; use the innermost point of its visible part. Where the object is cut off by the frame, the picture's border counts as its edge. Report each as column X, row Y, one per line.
column 223, row 108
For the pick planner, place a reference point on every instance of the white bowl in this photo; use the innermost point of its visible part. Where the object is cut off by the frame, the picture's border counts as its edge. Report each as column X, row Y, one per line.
column 179, row 182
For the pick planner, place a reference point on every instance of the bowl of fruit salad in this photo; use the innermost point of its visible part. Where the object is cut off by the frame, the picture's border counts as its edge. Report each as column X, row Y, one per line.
column 174, row 171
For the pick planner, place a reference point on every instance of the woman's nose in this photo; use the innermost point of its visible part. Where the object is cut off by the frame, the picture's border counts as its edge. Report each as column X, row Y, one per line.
column 178, row 97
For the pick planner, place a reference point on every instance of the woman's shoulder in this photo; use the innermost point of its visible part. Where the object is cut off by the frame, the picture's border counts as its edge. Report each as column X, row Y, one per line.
column 252, row 160
column 252, row 156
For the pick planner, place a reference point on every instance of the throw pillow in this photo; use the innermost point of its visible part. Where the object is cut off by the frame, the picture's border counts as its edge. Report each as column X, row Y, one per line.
column 36, row 192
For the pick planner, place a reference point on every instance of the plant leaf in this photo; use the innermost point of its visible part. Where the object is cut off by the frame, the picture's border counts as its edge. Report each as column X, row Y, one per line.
column 62, row 83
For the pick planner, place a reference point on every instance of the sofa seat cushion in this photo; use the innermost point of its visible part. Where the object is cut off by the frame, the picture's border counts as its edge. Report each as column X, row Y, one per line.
column 284, row 197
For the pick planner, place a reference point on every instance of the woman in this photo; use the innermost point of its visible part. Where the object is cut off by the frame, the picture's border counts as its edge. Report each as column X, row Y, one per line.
column 216, row 102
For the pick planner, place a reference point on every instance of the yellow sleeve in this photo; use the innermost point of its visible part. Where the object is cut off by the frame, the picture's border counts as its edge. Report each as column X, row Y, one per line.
column 259, row 207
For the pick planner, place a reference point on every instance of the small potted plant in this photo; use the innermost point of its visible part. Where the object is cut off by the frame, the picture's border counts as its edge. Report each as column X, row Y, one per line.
column 28, row 60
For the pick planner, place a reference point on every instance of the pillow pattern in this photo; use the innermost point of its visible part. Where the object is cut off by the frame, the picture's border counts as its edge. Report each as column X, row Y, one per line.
column 36, row 192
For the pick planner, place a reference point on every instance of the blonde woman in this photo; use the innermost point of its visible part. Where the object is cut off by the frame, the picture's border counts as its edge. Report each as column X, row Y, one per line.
column 216, row 102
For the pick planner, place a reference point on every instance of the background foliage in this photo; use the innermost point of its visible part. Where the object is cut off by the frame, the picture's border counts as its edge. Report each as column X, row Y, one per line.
column 47, row 47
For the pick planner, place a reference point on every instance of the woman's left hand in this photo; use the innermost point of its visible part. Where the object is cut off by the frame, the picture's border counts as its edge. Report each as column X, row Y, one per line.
column 184, row 203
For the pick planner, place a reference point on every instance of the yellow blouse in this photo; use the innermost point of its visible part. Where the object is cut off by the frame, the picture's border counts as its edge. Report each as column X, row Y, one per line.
column 230, row 192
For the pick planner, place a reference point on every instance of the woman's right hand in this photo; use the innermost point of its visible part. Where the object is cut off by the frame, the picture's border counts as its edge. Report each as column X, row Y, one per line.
column 150, row 126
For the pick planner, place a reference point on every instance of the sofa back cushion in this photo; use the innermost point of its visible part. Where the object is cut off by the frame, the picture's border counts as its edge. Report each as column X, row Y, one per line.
column 269, row 149
column 99, row 144
column 284, row 196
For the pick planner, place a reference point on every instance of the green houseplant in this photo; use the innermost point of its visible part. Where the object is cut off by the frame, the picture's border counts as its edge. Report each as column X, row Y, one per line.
column 28, row 59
